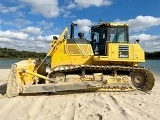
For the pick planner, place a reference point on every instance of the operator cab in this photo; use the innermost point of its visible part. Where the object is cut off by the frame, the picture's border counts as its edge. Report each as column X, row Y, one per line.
column 105, row 33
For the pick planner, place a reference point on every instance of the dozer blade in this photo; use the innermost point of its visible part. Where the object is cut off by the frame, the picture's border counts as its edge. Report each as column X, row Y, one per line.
column 17, row 78
column 12, row 85
column 76, row 86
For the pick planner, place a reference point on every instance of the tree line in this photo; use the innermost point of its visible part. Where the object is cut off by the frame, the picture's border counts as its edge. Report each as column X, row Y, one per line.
column 12, row 53
column 152, row 55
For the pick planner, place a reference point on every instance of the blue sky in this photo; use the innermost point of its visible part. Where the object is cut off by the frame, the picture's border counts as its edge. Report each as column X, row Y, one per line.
column 30, row 24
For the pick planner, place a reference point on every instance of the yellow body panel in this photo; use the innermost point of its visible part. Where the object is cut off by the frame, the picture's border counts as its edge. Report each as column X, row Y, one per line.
column 135, row 52
column 60, row 56
column 73, row 54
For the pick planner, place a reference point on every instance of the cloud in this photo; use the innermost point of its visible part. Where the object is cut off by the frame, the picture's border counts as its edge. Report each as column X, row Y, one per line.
column 45, row 38
column 45, row 24
column 32, row 30
column 4, row 9
column 23, row 21
column 83, row 24
column 25, row 41
column 27, row 45
column 48, row 8
column 144, row 37
column 71, row 6
column 19, row 23
column 4, row 39
column 13, row 35
column 88, row 3
column 141, row 23
column 19, row 14
column 149, row 43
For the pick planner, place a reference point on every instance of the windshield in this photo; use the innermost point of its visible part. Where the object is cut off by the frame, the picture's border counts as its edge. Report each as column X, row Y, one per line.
column 118, row 34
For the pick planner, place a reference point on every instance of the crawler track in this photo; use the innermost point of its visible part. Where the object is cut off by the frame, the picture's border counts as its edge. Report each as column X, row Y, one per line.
column 146, row 84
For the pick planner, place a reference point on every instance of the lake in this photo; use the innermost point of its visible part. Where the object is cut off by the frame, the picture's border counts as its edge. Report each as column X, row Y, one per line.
column 153, row 65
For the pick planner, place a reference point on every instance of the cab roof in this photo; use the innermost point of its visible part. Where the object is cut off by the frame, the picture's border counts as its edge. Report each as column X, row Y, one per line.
column 110, row 24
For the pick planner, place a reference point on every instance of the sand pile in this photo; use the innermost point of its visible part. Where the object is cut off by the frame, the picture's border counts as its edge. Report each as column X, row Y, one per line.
column 83, row 106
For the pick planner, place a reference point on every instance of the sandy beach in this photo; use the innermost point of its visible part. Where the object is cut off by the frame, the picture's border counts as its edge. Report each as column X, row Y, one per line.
column 82, row 106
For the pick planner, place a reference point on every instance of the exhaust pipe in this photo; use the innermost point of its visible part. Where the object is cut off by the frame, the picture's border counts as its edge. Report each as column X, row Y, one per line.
column 72, row 30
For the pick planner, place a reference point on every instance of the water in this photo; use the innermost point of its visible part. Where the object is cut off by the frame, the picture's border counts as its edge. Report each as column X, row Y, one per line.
column 153, row 65
column 6, row 64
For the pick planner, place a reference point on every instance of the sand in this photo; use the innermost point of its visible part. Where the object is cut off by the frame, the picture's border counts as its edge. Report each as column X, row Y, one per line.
column 4, row 74
column 82, row 106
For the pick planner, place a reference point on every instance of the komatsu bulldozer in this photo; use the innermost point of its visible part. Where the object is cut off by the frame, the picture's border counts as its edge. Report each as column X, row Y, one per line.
column 107, row 62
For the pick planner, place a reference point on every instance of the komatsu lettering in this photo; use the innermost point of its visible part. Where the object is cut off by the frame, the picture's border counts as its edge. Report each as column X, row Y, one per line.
column 123, row 56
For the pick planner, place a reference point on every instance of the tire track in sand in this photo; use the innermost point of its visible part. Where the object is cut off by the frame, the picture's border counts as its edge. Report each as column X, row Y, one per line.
column 12, row 106
column 36, row 106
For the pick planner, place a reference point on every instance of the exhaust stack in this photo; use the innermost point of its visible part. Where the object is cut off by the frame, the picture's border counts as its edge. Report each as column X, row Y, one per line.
column 72, row 30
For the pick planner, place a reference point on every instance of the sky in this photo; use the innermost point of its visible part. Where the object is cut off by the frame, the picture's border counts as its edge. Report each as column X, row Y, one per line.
column 31, row 24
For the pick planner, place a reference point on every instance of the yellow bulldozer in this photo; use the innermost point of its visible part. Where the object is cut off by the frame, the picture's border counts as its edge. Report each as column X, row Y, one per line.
column 107, row 62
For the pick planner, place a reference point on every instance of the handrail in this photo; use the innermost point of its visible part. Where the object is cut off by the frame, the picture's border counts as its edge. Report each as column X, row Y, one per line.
column 54, row 44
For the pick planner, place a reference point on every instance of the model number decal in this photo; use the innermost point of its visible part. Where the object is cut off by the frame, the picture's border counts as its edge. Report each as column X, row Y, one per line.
column 123, row 56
